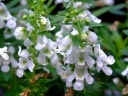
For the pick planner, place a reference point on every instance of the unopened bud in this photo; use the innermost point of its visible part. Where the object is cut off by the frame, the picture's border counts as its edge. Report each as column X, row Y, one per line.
column 87, row 21
column 34, row 2
column 25, row 17
column 67, row 20
column 67, row 15
column 75, row 12
column 32, row 7
column 83, row 36
column 43, row 14
column 32, row 16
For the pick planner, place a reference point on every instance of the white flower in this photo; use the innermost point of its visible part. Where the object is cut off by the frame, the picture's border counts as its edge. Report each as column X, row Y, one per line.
column 126, row 59
column 80, row 75
column 103, row 60
column 64, row 29
column 91, row 38
column 5, row 68
column 58, row 1
column 54, row 59
column 108, row 2
column 65, row 44
column 74, row 32
column 24, row 61
column 3, row 53
column 4, row 13
column 20, row 72
column 92, row 17
column 11, row 23
column 45, row 24
column 125, row 72
column 78, row 85
column 23, row 2
column 11, row 59
column 82, row 15
column 20, row 33
column 46, row 48
column 77, row 4
column 116, row 80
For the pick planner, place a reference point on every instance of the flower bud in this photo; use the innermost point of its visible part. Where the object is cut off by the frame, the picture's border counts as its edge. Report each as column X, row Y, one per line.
column 87, row 21
column 67, row 20
column 32, row 16
column 34, row 2
column 25, row 17
column 75, row 12
column 32, row 7
column 43, row 21
column 67, row 15
column 83, row 36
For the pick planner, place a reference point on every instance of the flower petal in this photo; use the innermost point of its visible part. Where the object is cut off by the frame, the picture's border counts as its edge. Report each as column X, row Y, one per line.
column 78, row 85
column 111, row 60
column 107, row 70
column 30, row 65
column 88, row 78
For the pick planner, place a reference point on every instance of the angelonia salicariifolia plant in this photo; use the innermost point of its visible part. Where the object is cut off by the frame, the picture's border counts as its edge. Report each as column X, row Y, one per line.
column 73, row 51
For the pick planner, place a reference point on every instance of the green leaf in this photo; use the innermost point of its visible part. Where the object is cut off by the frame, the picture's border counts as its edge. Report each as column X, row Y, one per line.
column 8, row 75
column 49, row 3
column 51, row 8
column 48, row 80
column 45, row 89
column 107, row 42
column 99, row 41
column 93, row 24
column 118, row 12
column 87, row 1
column 76, row 40
column 101, row 11
column 12, row 3
column 2, row 40
column 118, row 7
column 16, row 9
column 109, row 8
column 125, row 32
column 125, row 51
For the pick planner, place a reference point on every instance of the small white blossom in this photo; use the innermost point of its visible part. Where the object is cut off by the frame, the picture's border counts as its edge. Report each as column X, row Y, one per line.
column 44, row 23
column 125, row 72
column 20, row 72
column 108, row 2
column 5, row 68
column 24, row 61
column 92, row 38
column 3, row 53
column 20, row 33
column 11, row 23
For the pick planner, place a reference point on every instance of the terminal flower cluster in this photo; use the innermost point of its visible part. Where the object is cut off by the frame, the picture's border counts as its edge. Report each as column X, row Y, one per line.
column 74, row 52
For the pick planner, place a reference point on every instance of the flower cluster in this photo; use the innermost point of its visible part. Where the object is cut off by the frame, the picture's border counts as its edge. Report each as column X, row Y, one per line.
column 79, row 59
column 5, row 15
column 74, row 53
